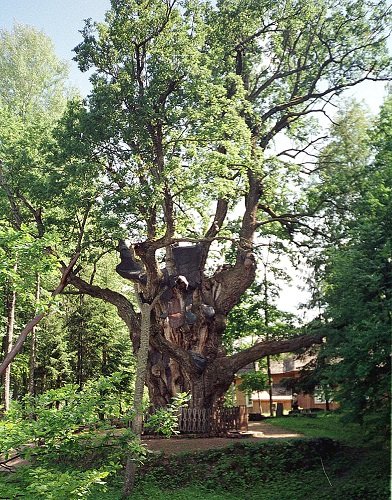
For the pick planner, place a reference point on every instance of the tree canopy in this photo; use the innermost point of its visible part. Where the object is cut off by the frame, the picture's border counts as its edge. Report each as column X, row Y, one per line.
column 197, row 153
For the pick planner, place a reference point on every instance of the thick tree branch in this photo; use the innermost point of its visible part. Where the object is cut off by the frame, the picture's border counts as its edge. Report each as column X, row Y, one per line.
column 267, row 348
column 249, row 219
column 230, row 284
column 37, row 214
column 212, row 232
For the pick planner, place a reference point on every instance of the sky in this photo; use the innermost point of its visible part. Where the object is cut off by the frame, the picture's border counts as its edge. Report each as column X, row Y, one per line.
column 61, row 21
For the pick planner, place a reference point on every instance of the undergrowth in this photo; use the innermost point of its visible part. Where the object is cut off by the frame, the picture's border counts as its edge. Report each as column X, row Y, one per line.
column 292, row 470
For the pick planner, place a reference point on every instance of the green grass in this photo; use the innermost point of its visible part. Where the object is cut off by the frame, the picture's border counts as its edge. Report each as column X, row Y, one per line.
column 323, row 424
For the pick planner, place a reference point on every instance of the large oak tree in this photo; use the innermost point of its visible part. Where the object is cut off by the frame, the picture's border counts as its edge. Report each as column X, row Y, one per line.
column 182, row 139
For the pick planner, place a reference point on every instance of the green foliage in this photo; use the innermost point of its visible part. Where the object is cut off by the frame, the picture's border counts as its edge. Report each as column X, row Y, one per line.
column 65, row 421
column 71, row 449
column 32, row 77
column 21, row 248
column 259, row 317
column 315, row 467
column 255, row 381
column 70, row 426
column 239, row 463
column 32, row 98
column 165, row 420
column 180, row 89
column 54, row 484
column 166, row 85
column 356, row 282
column 97, row 339
column 185, row 104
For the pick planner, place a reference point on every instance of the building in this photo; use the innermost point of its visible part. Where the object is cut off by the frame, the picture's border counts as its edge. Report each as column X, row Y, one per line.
column 288, row 367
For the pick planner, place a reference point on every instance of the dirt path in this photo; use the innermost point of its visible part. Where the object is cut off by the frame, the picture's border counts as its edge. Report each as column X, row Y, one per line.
column 257, row 431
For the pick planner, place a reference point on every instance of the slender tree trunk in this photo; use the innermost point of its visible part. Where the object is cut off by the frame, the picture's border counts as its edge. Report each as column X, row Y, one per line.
column 266, row 322
column 11, row 306
column 33, row 350
column 80, row 344
column 269, row 375
column 327, row 400
column 141, row 370
column 259, row 398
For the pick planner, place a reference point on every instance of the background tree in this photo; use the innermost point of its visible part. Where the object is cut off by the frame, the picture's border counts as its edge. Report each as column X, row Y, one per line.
column 33, row 96
column 187, row 96
column 254, row 381
column 257, row 317
column 355, row 283
column 32, row 83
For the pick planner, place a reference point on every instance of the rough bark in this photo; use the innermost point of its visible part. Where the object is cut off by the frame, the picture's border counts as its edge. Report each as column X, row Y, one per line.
column 171, row 366
column 269, row 376
column 190, row 357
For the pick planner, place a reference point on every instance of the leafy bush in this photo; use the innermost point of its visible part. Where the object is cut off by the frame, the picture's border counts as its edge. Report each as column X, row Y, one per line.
column 65, row 426
column 63, row 421
column 238, row 464
column 165, row 420
column 71, row 450
column 302, row 468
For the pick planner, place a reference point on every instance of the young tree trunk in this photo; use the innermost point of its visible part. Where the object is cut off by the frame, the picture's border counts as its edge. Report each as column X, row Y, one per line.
column 141, row 370
column 11, row 306
column 80, row 360
column 266, row 322
column 33, row 348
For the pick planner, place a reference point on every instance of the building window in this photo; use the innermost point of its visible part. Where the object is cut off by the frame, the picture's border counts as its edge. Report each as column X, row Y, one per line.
column 248, row 400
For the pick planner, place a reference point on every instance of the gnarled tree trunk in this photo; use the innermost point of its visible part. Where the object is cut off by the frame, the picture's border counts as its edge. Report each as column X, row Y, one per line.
column 191, row 358
column 186, row 352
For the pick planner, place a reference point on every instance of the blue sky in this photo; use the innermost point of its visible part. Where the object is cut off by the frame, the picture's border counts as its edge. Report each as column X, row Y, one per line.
column 61, row 20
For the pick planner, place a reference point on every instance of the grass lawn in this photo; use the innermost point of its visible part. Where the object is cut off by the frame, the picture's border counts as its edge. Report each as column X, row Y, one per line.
column 325, row 424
